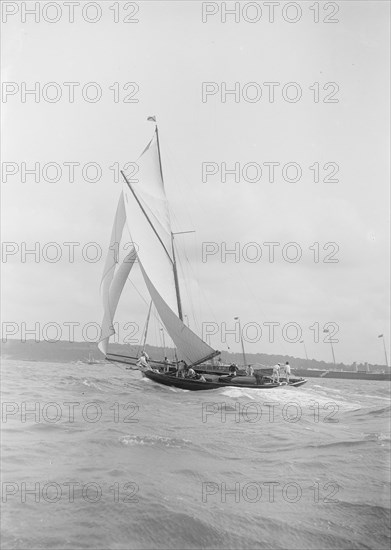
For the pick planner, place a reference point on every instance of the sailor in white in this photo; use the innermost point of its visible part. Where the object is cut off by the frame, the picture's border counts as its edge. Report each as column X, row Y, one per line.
column 166, row 365
column 287, row 371
column 142, row 363
column 250, row 370
column 276, row 372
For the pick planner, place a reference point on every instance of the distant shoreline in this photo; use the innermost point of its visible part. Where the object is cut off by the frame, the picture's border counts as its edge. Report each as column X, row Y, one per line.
column 66, row 352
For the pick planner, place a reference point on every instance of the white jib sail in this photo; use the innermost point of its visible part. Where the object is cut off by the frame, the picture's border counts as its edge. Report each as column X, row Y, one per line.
column 113, row 279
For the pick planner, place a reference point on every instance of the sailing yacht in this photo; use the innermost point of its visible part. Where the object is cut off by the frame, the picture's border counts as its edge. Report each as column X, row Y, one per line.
column 143, row 209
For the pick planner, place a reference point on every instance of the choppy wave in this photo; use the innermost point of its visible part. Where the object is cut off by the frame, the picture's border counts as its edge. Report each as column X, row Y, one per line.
column 178, row 469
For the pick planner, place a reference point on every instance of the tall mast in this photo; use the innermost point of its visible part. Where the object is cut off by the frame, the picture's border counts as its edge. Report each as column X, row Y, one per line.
column 178, row 295
column 176, row 280
column 241, row 340
column 146, row 326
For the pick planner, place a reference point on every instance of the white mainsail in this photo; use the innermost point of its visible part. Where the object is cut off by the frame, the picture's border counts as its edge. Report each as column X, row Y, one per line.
column 148, row 221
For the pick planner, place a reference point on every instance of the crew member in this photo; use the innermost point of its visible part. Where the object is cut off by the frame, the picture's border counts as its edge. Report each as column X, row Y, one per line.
column 166, row 365
column 287, row 371
column 232, row 369
column 191, row 373
column 276, row 372
column 142, row 363
column 182, row 367
column 250, row 370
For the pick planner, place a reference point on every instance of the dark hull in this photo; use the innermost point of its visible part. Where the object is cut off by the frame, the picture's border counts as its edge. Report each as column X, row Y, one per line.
column 196, row 385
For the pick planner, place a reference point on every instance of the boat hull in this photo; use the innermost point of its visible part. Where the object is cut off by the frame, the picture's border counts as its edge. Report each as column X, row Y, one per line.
column 197, row 385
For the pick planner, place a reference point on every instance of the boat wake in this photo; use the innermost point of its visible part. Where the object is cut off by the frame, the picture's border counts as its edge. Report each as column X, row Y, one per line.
column 154, row 441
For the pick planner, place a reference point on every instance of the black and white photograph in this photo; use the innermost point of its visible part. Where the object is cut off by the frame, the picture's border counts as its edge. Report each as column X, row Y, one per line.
column 195, row 275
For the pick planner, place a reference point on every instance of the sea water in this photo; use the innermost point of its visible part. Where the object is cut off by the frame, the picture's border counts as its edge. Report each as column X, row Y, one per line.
column 96, row 456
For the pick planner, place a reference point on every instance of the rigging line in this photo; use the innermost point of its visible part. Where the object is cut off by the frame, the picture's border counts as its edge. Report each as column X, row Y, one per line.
column 177, row 290
column 175, row 174
column 185, row 274
column 182, row 184
column 153, row 311
column 146, row 147
column 152, row 214
column 137, row 290
column 128, row 280
column 144, row 332
column 194, row 276
column 188, row 292
column 203, row 293
column 145, row 301
column 193, row 312
column 161, row 172
column 152, row 314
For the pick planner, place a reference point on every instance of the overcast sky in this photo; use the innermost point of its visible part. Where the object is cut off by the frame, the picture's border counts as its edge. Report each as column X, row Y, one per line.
column 169, row 53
